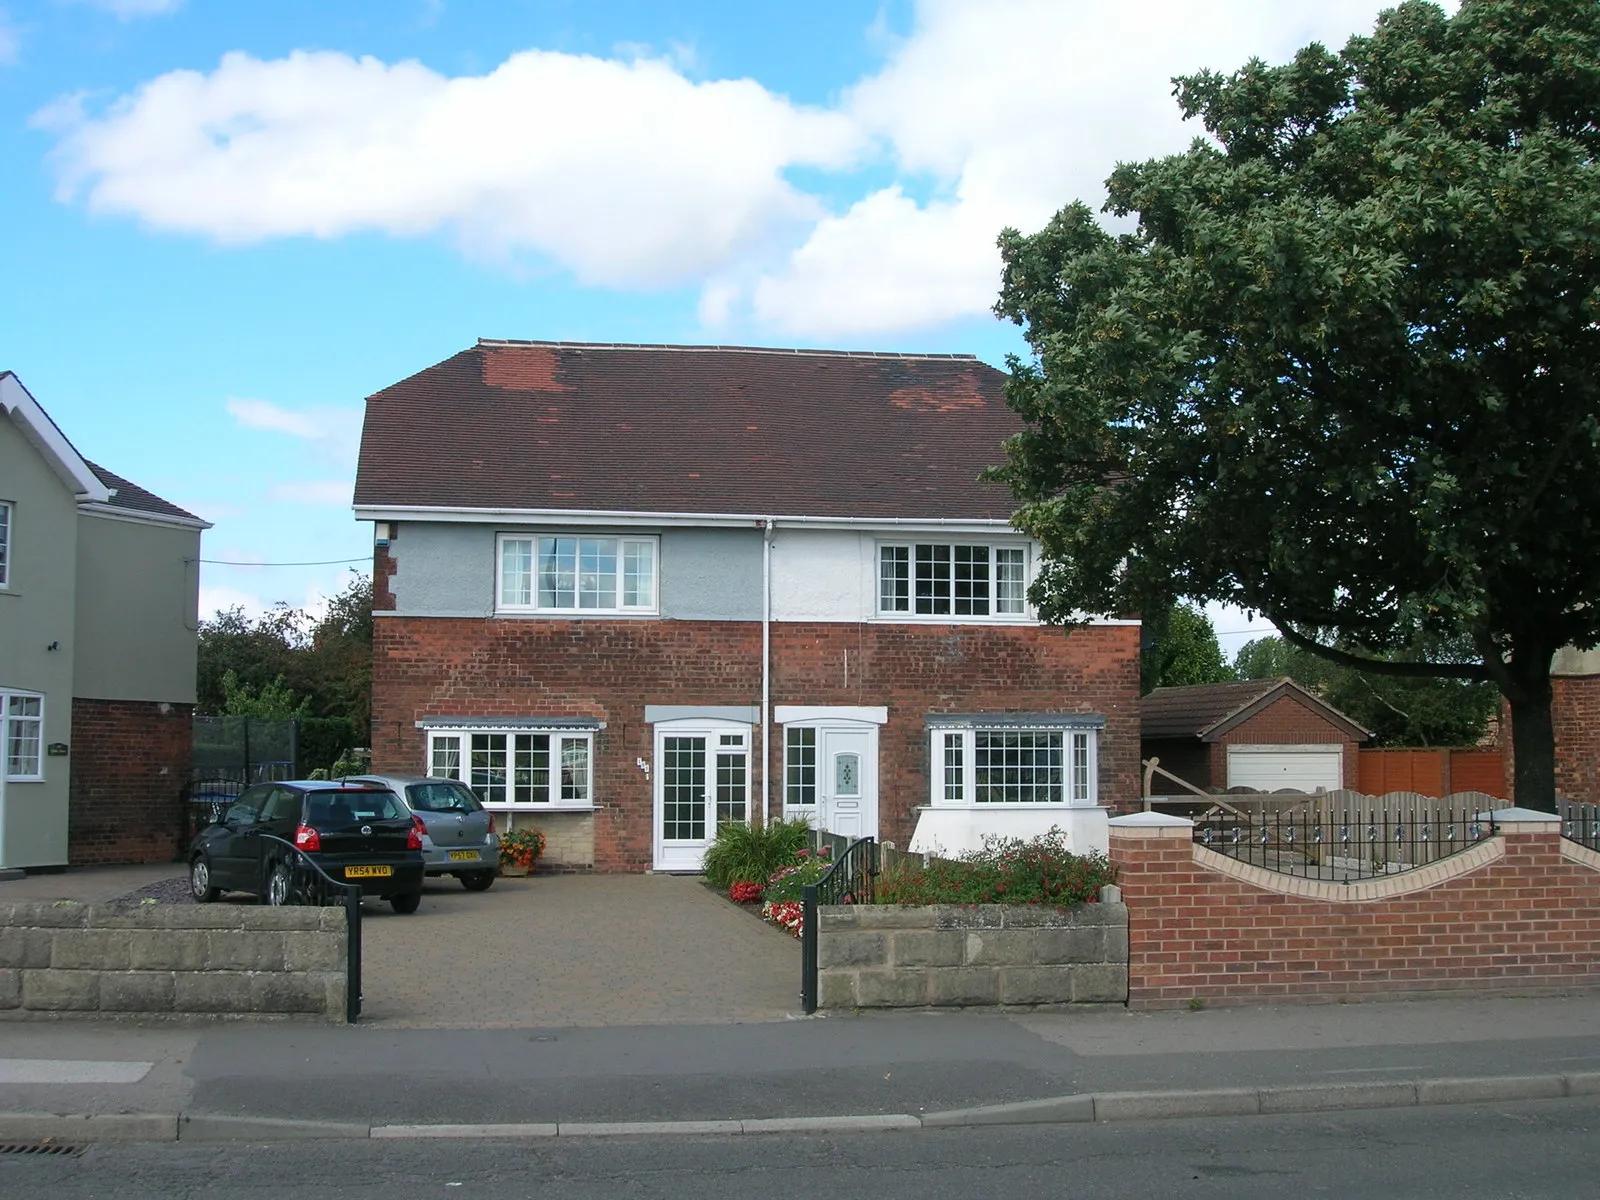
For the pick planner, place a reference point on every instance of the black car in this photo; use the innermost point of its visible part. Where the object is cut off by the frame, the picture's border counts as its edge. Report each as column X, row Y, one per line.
column 357, row 834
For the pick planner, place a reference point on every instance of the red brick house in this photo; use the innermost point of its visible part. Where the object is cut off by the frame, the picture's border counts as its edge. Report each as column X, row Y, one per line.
column 627, row 593
column 1267, row 734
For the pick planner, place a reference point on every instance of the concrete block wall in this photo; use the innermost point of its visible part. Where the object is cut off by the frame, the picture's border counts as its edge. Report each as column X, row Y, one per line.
column 64, row 958
column 894, row 956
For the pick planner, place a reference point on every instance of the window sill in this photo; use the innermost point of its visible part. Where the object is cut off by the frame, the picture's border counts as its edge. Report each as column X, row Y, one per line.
column 537, row 808
column 574, row 614
column 1009, row 805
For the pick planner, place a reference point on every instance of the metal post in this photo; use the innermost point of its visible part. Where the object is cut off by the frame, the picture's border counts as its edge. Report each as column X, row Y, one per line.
column 808, row 949
column 352, row 962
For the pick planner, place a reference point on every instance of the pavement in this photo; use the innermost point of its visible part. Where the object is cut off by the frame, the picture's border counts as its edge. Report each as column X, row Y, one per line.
column 590, row 1007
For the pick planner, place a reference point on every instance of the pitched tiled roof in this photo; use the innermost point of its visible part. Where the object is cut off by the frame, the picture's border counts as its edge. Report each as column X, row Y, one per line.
column 690, row 429
column 1207, row 710
column 128, row 495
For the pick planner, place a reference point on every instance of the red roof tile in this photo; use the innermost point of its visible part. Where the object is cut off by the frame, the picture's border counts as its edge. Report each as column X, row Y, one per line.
column 690, row 429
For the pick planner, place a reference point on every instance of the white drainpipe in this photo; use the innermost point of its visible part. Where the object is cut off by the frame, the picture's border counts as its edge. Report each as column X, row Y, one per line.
column 766, row 669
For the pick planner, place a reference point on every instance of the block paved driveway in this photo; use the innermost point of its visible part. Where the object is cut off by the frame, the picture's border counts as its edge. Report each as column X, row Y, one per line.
column 568, row 950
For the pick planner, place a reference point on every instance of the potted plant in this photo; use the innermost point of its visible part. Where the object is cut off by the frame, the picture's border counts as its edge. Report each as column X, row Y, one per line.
column 520, row 850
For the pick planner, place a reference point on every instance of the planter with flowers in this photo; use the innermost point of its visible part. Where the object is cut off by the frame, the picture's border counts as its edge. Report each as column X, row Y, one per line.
column 520, row 850
column 785, row 890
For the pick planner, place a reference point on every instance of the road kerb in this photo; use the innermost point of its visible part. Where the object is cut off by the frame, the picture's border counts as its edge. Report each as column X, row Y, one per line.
column 216, row 1128
column 645, row 1128
column 1155, row 1106
column 1491, row 1087
column 1056, row 1110
column 1582, row 1083
column 864, row 1124
column 467, row 1132
column 75, row 1128
column 1330, row 1097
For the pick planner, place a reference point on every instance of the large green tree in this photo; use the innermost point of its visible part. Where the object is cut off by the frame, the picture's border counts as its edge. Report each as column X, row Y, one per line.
column 1345, row 369
column 1180, row 649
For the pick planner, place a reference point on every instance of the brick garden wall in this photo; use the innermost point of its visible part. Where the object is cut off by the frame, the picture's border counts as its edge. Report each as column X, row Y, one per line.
column 610, row 669
column 1524, row 918
column 129, row 763
column 1285, row 722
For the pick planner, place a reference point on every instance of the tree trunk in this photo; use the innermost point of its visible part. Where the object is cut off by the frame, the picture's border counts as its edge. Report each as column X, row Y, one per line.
column 1533, row 739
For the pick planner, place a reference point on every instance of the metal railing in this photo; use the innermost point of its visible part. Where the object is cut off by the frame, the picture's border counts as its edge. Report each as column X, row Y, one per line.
column 1579, row 822
column 1344, row 845
column 309, row 884
column 851, row 880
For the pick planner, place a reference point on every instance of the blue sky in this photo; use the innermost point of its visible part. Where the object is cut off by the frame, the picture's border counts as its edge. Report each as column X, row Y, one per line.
column 222, row 225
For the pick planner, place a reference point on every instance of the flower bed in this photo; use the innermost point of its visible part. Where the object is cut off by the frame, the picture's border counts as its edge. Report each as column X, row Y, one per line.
column 1040, row 870
column 785, row 890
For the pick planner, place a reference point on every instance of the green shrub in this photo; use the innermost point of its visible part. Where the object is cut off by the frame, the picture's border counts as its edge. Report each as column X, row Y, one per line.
column 787, row 884
column 745, row 853
column 1006, row 871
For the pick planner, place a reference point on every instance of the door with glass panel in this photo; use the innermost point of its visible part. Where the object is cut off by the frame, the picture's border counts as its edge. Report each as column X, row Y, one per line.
column 702, row 781
column 831, row 778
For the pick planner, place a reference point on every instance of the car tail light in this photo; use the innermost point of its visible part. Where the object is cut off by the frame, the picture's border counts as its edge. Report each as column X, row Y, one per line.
column 491, row 823
column 307, row 838
column 414, row 838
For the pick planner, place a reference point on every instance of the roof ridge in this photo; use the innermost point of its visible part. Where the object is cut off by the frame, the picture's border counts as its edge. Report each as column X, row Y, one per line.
column 797, row 351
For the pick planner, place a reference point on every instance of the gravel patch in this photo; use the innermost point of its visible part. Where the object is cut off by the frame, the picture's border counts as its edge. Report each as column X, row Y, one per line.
column 165, row 891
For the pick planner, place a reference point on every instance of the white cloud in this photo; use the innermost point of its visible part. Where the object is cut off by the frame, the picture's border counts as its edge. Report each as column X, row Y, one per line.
column 1010, row 109
column 10, row 41
column 335, row 432
column 627, row 173
column 128, row 10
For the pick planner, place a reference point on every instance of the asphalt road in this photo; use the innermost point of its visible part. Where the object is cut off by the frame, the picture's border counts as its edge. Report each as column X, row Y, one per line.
column 1534, row 1149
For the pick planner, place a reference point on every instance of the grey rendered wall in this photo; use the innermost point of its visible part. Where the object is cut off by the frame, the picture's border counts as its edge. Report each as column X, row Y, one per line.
column 448, row 570
column 136, row 636
column 36, row 610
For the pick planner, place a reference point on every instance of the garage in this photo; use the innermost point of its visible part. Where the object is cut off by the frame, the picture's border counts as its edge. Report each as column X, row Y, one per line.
column 1274, row 768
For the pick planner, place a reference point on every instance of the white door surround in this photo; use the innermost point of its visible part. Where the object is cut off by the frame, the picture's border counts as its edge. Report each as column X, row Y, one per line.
column 702, row 778
column 846, row 766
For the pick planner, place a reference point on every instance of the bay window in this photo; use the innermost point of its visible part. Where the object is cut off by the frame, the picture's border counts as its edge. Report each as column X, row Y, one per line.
column 517, row 767
column 1026, row 761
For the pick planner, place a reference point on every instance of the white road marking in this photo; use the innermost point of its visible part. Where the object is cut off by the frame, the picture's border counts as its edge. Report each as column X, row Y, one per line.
column 65, row 1070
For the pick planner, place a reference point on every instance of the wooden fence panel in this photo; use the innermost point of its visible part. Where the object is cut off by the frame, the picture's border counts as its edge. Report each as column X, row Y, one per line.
column 1478, row 771
column 1431, row 772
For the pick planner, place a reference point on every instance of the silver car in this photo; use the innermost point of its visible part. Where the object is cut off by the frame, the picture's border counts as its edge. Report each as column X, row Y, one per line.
column 461, row 838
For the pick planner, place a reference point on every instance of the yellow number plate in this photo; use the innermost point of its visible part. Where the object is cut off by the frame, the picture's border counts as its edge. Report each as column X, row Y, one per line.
column 367, row 872
column 463, row 856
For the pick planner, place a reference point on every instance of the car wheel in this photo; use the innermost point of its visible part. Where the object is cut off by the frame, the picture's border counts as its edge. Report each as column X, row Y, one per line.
column 477, row 881
column 280, row 885
column 406, row 902
column 200, row 881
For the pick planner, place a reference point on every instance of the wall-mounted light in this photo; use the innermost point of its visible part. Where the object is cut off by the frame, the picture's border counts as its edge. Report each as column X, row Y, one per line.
column 53, row 646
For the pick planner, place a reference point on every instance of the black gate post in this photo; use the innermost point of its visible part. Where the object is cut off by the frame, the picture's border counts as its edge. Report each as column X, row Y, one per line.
column 808, row 949
column 352, row 961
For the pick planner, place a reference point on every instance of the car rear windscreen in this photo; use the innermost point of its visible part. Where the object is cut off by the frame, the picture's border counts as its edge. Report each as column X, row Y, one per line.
column 442, row 798
column 338, row 809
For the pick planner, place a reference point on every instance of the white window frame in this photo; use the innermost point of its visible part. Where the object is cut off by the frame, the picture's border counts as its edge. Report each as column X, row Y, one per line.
column 909, row 547
column 559, row 739
column 8, row 523
column 622, row 544
column 7, row 718
column 1080, row 786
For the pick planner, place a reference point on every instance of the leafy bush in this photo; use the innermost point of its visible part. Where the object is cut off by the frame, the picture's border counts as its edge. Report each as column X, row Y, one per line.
column 1006, row 871
column 788, row 883
column 521, row 848
column 745, row 853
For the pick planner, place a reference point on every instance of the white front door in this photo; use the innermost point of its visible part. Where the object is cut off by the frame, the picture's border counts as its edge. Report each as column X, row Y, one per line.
column 848, row 785
column 702, row 781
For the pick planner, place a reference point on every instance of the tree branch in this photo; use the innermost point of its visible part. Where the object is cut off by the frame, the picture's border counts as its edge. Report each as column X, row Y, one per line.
column 1476, row 672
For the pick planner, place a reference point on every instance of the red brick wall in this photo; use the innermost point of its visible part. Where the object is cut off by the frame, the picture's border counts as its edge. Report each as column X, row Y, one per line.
column 130, row 761
column 1528, row 922
column 1575, row 711
column 437, row 666
column 1285, row 722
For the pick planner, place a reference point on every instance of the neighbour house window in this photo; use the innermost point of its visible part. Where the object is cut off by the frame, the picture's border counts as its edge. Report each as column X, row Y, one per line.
column 1013, row 766
column 553, row 769
column 800, row 766
column 551, row 573
column 22, row 733
column 5, row 544
column 935, row 579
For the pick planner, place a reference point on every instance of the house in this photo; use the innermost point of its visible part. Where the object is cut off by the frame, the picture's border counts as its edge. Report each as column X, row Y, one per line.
column 628, row 593
column 1266, row 734
column 99, row 586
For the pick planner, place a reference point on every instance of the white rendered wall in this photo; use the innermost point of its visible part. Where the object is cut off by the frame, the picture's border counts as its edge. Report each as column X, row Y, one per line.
column 951, row 832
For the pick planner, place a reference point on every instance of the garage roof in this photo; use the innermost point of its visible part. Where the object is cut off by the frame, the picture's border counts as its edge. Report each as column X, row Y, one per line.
column 1209, row 710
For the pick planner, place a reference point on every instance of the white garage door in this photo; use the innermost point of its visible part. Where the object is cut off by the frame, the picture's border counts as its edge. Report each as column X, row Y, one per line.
column 1273, row 768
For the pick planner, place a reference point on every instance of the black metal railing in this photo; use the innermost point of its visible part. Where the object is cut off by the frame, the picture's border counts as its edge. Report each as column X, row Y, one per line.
column 1579, row 822
column 1342, row 845
column 307, row 883
column 851, row 880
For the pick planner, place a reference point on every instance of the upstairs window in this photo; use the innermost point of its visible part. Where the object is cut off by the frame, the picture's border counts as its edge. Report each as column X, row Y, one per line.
column 5, row 544
column 573, row 574
column 961, row 579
